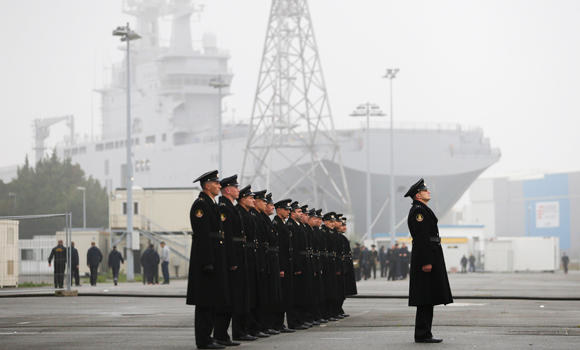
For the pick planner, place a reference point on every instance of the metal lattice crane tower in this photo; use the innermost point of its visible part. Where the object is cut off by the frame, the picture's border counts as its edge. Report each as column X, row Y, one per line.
column 292, row 147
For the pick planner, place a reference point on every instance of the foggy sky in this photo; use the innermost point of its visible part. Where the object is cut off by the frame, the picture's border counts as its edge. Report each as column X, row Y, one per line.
column 510, row 67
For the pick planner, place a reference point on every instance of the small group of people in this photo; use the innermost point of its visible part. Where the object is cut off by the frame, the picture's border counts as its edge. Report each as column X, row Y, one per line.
column 264, row 275
column 59, row 254
column 464, row 260
column 150, row 260
column 394, row 263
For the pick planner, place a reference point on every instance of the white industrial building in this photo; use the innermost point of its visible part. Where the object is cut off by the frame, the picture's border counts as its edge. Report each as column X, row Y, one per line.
column 8, row 253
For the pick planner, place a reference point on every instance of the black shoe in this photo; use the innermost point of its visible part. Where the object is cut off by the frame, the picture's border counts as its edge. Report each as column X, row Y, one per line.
column 345, row 315
column 428, row 340
column 246, row 337
column 211, row 346
column 272, row 331
column 339, row 317
column 315, row 323
column 261, row 335
column 323, row 320
column 287, row 330
column 332, row 319
column 307, row 324
column 299, row 327
column 227, row 342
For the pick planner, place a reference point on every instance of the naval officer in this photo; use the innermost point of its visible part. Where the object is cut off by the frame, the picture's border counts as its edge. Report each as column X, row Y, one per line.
column 428, row 284
column 207, row 286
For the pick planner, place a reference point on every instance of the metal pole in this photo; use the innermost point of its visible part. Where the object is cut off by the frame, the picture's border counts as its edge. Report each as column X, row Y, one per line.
column 129, row 168
column 368, row 234
column 220, row 130
column 68, row 232
column 392, row 166
column 84, row 209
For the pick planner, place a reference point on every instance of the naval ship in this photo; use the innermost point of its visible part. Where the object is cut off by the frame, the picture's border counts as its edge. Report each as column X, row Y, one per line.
column 176, row 114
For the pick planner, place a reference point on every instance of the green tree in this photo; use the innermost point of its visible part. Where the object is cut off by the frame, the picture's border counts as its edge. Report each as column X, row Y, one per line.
column 50, row 188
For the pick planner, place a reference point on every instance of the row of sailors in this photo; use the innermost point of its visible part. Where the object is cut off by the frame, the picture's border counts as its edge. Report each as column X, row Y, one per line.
column 264, row 276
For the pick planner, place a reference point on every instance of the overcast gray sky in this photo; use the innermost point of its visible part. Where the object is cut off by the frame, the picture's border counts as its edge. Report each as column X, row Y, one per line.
column 508, row 66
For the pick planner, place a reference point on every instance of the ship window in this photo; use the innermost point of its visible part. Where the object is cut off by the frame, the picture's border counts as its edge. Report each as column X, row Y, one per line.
column 150, row 139
column 109, row 145
column 99, row 147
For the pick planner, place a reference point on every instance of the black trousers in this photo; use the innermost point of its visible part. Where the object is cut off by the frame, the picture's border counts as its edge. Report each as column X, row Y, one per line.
column 75, row 276
column 239, row 325
column 423, row 321
column 204, row 322
column 221, row 325
column 94, row 274
column 115, row 273
column 59, row 275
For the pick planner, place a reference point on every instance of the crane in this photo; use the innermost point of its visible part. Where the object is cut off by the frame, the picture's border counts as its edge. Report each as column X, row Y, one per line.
column 42, row 131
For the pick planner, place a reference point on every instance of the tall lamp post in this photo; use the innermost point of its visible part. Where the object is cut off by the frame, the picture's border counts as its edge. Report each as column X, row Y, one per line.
column 367, row 110
column 390, row 74
column 127, row 35
column 219, row 84
column 82, row 188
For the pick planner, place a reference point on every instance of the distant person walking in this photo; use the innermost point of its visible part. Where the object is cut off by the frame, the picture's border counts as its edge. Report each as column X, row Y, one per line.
column 463, row 264
column 471, row 263
column 115, row 261
column 74, row 264
column 59, row 255
column 165, row 262
column 429, row 284
column 404, row 260
column 565, row 261
column 94, row 258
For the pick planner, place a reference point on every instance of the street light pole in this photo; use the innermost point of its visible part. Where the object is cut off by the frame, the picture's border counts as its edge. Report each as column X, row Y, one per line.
column 127, row 35
column 391, row 74
column 219, row 84
column 81, row 188
column 368, row 110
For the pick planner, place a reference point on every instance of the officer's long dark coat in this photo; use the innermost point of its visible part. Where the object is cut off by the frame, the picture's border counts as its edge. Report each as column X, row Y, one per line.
column 426, row 288
column 338, row 263
column 207, row 288
column 235, row 242
column 94, row 256
column 262, row 263
column 286, row 263
column 329, row 265
column 348, row 268
column 301, row 294
column 252, row 245
column 272, row 261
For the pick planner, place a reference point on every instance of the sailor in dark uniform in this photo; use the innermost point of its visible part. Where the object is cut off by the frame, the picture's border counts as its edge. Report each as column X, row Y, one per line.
column 349, row 277
column 234, row 241
column 329, row 268
column 428, row 284
column 269, row 279
column 286, row 264
column 297, row 318
column 246, row 207
column 309, row 273
column 207, row 286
